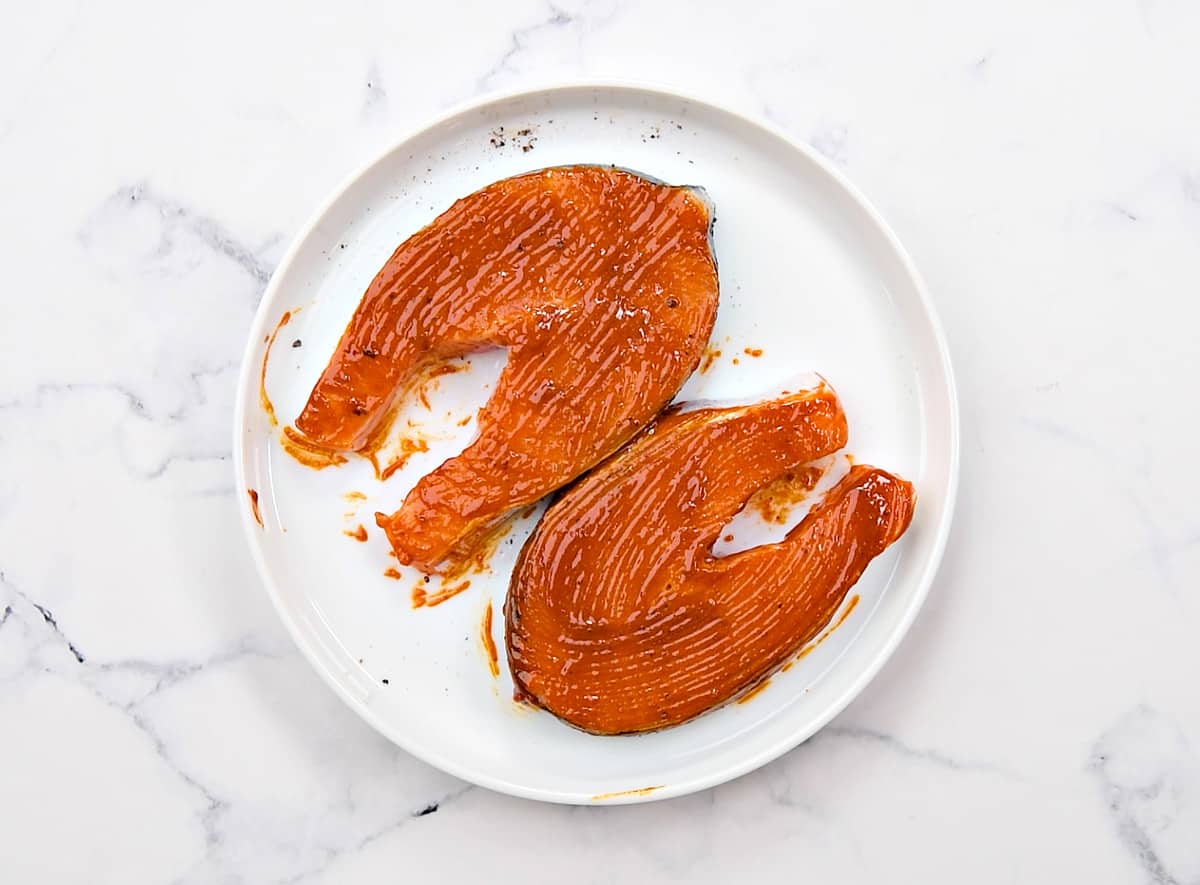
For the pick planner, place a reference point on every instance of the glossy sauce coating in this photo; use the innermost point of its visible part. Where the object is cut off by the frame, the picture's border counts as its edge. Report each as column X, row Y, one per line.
column 810, row 647
column 620, row 619
column 602, row 286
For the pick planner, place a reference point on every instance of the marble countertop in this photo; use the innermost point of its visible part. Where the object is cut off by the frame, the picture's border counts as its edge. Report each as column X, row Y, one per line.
column 1041, row 722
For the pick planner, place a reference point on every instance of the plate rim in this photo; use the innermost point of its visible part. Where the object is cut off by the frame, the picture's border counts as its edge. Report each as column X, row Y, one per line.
column 924, row 581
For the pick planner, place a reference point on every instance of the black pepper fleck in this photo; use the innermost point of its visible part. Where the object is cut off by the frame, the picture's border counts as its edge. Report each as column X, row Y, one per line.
column 296, row 343
column 428, row 809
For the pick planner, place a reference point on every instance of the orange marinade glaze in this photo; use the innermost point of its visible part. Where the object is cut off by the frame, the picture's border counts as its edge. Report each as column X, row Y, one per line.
column 599, row 282
column 620, row 619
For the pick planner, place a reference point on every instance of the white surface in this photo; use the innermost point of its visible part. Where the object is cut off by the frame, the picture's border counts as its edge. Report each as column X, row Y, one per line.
column 809, row 278
column 1041, row 721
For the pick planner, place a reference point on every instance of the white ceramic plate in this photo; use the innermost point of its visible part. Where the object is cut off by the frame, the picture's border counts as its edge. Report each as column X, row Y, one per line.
column 809, row 274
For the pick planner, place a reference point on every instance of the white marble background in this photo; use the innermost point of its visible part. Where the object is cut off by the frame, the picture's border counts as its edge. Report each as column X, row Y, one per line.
column 1041, row 161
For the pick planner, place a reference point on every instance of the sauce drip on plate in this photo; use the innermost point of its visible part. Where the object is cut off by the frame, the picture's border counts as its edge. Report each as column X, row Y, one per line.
column 489, row 644
column 263, row 399
column 253, row 495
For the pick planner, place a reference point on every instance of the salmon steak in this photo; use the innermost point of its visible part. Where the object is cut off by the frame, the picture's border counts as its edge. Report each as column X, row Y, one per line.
column 619, row 617
column 601, row 285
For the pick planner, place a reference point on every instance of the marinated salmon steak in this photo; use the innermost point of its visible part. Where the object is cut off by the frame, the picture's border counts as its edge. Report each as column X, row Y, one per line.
column 619, row 617
column 601, row 285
